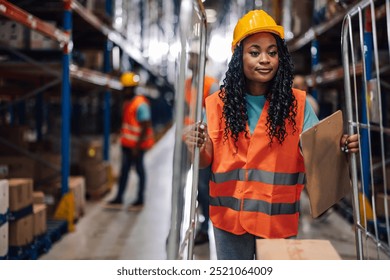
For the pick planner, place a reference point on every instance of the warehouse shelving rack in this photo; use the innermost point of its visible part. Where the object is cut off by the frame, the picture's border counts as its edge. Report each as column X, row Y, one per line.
column 66, row 74
column 63, row 38
column 63, row 73
column 71, row 71
column 310, row 37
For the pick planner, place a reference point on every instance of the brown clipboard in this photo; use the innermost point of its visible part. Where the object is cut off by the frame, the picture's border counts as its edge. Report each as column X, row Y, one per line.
column 327, row 170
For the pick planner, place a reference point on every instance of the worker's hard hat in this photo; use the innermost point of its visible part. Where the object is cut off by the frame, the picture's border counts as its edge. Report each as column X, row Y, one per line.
column 129, row 79
column 253, row 22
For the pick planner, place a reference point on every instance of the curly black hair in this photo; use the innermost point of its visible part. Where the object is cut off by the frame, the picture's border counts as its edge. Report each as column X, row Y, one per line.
column 282, row 103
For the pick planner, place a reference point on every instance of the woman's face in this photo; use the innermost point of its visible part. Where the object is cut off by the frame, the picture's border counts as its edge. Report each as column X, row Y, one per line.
column 260, row 60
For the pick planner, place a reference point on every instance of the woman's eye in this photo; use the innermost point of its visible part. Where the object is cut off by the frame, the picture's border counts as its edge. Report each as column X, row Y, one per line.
column 253, row 53
column 273, row 53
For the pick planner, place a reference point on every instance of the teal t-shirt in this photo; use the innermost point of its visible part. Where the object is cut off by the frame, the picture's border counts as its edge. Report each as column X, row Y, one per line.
column 255, row 104
column 143, row 113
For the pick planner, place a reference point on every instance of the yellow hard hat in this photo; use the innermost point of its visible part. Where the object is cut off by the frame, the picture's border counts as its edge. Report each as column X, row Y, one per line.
column 253, row 22
column 129, row 79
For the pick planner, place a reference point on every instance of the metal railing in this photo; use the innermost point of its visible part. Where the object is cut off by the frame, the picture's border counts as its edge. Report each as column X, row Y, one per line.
column 193, row 27
column 366, row 113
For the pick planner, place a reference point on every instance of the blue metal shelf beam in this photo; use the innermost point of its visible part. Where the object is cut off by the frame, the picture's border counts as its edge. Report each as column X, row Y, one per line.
column 65, row 101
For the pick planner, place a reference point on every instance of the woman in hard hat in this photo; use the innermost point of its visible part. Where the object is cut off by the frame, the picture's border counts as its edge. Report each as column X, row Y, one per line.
column 251, row 141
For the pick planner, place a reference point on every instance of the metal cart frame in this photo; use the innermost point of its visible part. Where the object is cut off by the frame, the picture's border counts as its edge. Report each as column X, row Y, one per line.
column 366, row 115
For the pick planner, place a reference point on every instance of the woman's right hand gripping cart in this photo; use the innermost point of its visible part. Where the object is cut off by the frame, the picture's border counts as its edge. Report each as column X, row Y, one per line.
column 196, row 135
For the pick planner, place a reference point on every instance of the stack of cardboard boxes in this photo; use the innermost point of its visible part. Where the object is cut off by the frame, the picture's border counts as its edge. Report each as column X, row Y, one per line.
column 16, row 35
column 87, row 158
column 25, row 222
column 21, row 218
column 30, row 191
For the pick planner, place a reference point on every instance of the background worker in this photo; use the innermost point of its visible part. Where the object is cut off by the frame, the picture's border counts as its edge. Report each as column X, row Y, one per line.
column 210, row 86
column 300, row 83
column 136, row 138
column 251, row 141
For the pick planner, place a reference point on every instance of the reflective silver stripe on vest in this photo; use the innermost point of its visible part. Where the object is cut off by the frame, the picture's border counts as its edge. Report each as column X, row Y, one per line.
column 226, row 201
column 252, row 205
column 136, row 137
column 233, row 175
column 260, row 176
column 131, row 127
column 130, row 137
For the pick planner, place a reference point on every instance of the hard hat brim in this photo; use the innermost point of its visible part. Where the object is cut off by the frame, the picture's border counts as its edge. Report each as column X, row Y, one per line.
column 278, row 30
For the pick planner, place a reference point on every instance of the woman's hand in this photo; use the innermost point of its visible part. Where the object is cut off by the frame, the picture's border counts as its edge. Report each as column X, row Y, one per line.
column 349, row 143
column 196, row 136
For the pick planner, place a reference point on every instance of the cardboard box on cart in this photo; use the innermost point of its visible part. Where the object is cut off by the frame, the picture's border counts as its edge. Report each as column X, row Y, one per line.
column 295, row 249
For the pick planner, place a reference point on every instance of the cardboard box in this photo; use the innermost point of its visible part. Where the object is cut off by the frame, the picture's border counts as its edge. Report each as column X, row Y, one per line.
column 295, row 249
column 41, row 42
column 21, row 231
column 40, row 220
column 93, row 59
column 38, row 198
column 52, row 197
column 13, row 34
column 4, row 239
column 20, row 193
column 77, row 186
column 87, row 150
column 92, row 150
column 96, row 175
column 4, row 196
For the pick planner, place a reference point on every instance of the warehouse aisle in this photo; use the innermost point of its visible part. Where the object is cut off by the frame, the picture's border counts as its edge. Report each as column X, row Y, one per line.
column 118, row 234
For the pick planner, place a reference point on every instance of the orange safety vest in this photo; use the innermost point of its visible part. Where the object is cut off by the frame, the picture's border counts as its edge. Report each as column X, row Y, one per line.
column 190, row 96
column 131, row 127
column 256, row 188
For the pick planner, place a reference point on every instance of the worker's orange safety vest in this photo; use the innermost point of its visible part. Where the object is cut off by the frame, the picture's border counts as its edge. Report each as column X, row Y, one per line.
column 256, row 188
column 190, row 97
column 131, row 128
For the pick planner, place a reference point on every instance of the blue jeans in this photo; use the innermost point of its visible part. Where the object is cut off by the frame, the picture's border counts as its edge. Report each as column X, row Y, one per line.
column 128, row 159
column 234, row 247
column 203, row 196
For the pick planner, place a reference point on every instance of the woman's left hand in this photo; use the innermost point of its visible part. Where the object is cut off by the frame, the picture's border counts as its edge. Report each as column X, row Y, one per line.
column 349, row 143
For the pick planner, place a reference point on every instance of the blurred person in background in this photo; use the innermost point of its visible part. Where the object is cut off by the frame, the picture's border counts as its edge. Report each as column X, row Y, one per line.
column 300, row 83
column 136, row 138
